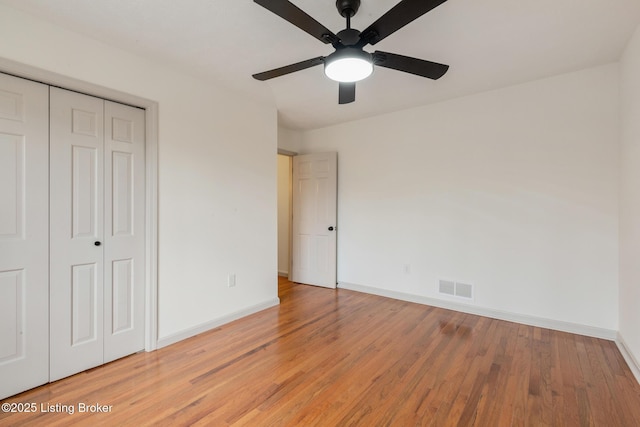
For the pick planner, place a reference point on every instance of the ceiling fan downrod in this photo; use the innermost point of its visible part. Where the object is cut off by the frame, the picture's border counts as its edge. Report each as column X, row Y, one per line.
column 347, row 9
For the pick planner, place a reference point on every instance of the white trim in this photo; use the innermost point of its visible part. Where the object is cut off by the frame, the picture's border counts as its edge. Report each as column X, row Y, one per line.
column 151, row 164
column 628, row 357
column 204, row 327
column 151, row 232
column 54, row 79
column 541, row 322
column 287, row 152
column 283, row 273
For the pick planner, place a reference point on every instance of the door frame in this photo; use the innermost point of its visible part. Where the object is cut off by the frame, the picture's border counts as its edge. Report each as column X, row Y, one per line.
column 290, row 155
column 151, row 174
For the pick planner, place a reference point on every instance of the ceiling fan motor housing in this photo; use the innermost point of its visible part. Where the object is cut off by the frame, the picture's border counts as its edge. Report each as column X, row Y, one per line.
column 349, row 36
column 347, row 8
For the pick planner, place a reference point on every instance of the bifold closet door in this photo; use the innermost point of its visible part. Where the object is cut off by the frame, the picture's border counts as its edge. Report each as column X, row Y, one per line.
column 97, row 232
column 24, row 235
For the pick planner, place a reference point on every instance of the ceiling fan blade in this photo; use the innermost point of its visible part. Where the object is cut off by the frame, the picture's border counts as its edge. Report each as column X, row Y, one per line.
column 346, row 92
column 419, row 67
column 287, row 69
column 292, row 13
column 397, row 17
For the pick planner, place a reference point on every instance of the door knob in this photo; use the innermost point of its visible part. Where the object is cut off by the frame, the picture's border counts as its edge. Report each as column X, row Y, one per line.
column 330, row 228
column 97, row 243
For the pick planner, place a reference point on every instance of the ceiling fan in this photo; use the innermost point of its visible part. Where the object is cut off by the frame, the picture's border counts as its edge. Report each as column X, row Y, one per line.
column 350, row 62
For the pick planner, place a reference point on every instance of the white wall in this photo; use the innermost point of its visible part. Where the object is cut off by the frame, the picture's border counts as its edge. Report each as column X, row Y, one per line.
column 514, row 191
column 284, row 209
column 630, row 198
column 217, row 176
column 289, row 139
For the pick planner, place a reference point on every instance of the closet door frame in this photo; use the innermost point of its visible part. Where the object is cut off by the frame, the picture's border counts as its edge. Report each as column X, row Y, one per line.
column 151, row 173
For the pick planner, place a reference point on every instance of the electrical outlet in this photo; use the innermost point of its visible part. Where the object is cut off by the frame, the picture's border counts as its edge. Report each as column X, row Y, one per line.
column 406, row 269
column 231, row 280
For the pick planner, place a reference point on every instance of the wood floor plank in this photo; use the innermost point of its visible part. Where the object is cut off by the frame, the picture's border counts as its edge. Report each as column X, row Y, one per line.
column 328, row 357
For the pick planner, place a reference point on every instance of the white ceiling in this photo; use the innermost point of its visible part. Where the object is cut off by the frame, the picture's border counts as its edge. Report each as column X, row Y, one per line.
column 488, row 44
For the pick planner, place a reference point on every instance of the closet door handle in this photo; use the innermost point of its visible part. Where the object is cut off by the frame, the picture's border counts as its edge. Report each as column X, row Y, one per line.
column 97, row 243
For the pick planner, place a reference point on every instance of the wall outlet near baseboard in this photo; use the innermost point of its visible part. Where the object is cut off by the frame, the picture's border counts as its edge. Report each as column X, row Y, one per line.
column 231, row 280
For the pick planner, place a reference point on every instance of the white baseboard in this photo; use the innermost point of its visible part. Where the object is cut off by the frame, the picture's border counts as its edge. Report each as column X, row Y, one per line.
column 283, row 273
column 628, row 357
column 188, row 333
column 541, row 322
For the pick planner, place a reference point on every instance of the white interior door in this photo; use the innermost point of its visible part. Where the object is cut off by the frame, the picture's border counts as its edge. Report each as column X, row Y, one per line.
column 124, row 231
column 314, row 219
column 77, row 224
column 24, row 235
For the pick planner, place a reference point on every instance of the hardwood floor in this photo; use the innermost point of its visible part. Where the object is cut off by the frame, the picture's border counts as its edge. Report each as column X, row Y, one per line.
column 341, row 358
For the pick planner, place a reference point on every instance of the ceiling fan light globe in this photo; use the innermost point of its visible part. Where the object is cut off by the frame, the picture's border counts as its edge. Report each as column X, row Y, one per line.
column 348, row 65
column 348, row 70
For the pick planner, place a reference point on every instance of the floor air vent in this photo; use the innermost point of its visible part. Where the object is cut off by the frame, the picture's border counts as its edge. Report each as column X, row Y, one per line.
column 456, row 289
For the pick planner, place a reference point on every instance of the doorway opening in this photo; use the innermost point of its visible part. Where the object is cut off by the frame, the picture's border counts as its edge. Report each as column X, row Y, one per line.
column 284, row 214
column 307, row 211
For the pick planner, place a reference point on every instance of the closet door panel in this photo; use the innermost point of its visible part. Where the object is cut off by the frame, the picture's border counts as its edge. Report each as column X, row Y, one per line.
column 77, row 232
column 24, row 235
column 124, row 230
